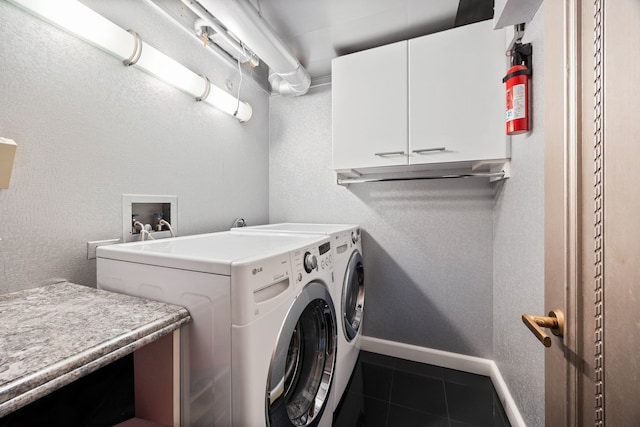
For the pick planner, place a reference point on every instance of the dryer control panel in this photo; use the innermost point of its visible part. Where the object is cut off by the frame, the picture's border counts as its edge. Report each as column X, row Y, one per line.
column 345, row 240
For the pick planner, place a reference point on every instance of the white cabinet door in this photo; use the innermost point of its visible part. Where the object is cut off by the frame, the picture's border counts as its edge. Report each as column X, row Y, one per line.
column 369, row 108
column 456, row 95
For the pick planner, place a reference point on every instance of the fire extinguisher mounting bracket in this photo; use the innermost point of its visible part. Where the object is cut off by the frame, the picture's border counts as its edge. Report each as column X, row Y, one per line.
column 521, row 72
column 521, row 55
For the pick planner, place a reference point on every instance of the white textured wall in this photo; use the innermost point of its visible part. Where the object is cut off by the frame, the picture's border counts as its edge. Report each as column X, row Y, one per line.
column 89, row 129
column 427, row 244
column 519, row 254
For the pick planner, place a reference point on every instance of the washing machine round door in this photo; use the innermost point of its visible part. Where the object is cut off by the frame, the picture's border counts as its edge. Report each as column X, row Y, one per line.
column 301, row 370
column 353, row 296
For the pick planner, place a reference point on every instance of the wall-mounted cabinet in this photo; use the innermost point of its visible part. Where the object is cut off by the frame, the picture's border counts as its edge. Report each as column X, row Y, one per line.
column 456, row 95
column 369, row 107
column 425, row 102
column 513, row 12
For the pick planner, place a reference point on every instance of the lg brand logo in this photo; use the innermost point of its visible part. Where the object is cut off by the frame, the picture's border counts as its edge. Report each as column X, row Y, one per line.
column 256, row 270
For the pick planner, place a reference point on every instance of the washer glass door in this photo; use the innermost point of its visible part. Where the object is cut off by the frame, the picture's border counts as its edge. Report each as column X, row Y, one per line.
column 353, row 296
column 301, row 370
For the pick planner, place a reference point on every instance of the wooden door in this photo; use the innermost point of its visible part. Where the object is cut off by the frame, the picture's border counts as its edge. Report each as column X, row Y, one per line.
column 592, row 211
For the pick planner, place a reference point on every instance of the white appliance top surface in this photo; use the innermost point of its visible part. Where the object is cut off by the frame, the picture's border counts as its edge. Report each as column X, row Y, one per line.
column 208, row 253
column 292, row 227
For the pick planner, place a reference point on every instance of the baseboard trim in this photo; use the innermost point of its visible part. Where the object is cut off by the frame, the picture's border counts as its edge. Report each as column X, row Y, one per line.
column 460, row 362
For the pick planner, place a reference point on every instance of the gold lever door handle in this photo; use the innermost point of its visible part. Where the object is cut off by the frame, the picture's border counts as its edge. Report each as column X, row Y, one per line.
column 555, row 322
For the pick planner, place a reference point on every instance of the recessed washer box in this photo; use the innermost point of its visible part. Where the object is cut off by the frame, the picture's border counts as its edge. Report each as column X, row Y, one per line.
column 146, row 207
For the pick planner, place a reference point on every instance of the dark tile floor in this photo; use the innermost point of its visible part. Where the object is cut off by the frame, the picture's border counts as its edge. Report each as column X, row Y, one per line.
column 389, row 392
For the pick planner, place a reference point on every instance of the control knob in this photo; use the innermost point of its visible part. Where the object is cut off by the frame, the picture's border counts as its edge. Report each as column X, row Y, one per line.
column 310, row 262
column 354, row 237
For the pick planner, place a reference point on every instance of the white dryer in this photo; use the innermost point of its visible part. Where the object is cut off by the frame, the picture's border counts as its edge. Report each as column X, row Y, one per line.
column 261, row 348
column 347, row 293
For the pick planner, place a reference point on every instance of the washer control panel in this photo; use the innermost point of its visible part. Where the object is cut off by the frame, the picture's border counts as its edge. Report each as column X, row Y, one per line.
column 311, row 261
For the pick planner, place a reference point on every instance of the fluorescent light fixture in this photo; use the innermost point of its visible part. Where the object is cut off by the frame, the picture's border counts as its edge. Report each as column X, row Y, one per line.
column 84, row 23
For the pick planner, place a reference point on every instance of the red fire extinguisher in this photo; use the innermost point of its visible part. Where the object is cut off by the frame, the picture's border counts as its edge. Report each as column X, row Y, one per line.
column 517, row 93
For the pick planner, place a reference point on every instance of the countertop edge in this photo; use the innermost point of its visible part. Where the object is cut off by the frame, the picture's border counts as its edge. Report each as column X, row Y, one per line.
column 100, row 359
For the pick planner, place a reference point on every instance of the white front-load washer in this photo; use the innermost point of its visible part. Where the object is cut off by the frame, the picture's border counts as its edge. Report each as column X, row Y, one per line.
column 261, row 349
column 347, row 293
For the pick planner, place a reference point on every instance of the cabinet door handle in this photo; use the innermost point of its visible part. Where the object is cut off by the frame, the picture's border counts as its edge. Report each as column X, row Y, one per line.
column 391, row 153
column 428, row 150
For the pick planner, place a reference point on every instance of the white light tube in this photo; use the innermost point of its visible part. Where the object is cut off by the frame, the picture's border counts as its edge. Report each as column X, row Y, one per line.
column 92, row 27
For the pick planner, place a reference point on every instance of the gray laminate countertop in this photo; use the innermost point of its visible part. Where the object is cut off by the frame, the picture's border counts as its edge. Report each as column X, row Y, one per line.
column 55, row 334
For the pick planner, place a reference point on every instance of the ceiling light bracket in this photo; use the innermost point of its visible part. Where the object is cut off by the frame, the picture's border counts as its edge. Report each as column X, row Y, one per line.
column 137, row 50
column 207, row 88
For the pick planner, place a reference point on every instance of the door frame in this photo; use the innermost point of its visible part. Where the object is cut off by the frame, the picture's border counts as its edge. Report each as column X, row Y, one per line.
column 574, row 227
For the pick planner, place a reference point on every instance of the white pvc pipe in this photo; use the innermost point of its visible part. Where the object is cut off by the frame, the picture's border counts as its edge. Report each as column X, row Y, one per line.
column 204, row 21
column 243, row 20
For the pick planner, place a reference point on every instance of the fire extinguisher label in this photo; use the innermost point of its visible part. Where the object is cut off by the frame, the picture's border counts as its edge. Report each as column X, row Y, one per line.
column 516, row 103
